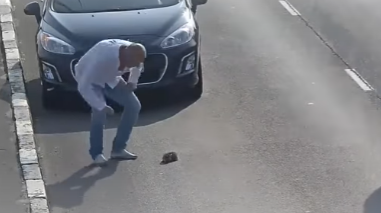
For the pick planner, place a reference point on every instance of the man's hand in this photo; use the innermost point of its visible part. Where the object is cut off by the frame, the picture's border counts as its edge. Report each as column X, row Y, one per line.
column 108, row 110
column 131, row 86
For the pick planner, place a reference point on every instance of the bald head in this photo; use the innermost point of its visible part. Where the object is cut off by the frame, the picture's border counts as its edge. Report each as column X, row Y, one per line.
column 131, row 56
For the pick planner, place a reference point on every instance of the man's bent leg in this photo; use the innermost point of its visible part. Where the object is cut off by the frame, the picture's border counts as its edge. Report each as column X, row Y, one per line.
column 125, row 97
column 96, row 132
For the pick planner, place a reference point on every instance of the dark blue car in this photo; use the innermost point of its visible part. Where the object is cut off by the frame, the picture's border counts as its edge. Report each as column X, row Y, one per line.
column 167, row 28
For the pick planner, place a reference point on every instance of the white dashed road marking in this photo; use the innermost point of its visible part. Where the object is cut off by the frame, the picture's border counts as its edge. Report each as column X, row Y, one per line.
column 27, row 152
column 359, row 80
column 351, row 72
column 291, row 9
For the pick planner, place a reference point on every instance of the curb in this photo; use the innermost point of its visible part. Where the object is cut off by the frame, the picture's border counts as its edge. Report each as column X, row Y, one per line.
column 29, row 161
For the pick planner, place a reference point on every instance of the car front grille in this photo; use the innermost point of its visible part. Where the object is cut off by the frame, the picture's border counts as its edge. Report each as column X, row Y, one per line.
column 72, row 65
column 155, row 66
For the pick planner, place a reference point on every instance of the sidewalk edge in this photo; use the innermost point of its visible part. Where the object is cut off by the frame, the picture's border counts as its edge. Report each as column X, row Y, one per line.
column 27, row 152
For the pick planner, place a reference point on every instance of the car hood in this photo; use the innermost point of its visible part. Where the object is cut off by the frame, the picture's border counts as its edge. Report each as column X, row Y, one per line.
column 84, row 29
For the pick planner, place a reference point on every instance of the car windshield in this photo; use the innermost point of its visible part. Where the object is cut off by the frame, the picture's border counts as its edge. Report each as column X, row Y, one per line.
column 91, row 6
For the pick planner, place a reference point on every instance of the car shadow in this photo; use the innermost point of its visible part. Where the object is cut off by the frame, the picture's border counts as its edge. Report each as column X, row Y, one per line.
column 373, row 202
column 73, row 116
column 72, row 189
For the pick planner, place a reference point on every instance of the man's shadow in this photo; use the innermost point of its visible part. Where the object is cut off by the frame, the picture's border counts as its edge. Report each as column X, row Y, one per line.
column 70, row 192
column 373, row 202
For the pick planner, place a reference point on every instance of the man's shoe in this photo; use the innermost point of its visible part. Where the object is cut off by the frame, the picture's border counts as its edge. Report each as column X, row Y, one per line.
column 100, row 160
column 123, row 155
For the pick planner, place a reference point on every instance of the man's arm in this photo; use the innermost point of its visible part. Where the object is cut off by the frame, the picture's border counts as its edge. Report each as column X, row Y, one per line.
column 97, row 65
column 92, row 69
column 92, row 95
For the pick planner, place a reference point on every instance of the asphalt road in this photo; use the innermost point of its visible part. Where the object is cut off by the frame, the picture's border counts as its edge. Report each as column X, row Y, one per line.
column 12, row 197
column 352, row 28
column 280, row 128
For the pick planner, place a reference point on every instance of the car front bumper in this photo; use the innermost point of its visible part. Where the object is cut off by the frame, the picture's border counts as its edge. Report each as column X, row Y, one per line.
column 174, row 67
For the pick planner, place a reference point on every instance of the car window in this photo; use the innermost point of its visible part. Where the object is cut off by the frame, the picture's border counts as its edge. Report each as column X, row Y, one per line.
column 91, row 6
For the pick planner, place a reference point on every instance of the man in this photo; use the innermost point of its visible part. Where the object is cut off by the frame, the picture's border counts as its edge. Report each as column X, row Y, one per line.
column 98, row 74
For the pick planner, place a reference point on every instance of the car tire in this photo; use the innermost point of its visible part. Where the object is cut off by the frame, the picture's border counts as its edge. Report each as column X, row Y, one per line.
column 48, row 98
column 197, row 90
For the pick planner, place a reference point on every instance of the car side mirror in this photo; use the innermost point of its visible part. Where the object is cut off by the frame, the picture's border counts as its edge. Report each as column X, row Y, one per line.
column 199, row 2
column 33, row 9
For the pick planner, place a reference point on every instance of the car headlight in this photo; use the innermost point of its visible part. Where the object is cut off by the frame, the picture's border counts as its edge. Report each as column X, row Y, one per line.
column 54, row 45
column 181, row 36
